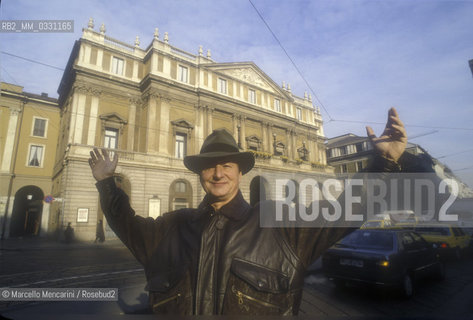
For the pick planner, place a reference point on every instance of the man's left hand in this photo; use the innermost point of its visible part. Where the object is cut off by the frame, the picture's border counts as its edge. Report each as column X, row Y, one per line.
column 392, row 143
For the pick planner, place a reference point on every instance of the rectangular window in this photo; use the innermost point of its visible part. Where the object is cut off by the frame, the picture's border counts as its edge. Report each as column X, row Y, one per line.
column 39, row 129
column 117, row 66
column 180, row 146
column 344, row 168
column 222, row 86
column 299, row 114
column 251, row 96
column 359, row 165
column 343, row 150
column 182, row 75
column 180, row 204
column 359, row 147
column 277, row 105
column 35, row 159
column 111, row 138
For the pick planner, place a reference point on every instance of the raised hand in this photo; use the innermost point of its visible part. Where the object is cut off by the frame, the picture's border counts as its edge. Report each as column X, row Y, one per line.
column 102, row 167
column 392, row 143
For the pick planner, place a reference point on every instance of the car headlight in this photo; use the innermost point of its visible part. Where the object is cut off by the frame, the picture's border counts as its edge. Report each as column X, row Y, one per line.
column 383, row 263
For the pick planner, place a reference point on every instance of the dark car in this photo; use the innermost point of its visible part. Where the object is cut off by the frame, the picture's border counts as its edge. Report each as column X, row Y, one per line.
column 385, row 257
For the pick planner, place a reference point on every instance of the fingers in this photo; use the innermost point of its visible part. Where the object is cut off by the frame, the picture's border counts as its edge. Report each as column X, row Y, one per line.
column 92, row 155
column 95, row 157
column 115, row 158
column 91, row 162
column 395, row 125
column 97, row 154
column 396, row 120
column 370, row 133
column 393, row 112
column 105, row 154
column 399, row 132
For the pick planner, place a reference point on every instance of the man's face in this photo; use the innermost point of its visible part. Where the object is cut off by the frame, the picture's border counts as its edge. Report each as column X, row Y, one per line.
column 221, row 181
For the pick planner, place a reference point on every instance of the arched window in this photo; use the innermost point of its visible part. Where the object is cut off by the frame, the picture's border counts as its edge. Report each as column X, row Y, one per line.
column 259, row 190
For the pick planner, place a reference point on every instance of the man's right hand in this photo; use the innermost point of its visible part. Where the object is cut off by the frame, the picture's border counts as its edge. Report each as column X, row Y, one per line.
column 102, row 167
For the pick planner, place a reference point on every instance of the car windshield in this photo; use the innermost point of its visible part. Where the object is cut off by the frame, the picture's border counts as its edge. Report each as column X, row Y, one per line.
column 438, row 231
column 372, row 224
column 369, row 240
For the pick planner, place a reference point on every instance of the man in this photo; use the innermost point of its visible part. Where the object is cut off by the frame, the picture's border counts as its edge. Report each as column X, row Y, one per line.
column 216, row 259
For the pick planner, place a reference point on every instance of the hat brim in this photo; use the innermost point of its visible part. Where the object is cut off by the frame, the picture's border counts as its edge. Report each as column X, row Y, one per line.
column 198, row 162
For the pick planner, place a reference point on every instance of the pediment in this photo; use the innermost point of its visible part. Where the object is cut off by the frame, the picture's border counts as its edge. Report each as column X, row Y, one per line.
column 182, row 123
column 248, row 73
column 249, row 76
column 112, row 117
column 253, row 138
column 279, row 144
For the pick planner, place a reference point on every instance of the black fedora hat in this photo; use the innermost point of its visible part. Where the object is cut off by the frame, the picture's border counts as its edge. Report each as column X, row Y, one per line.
column 219, row 147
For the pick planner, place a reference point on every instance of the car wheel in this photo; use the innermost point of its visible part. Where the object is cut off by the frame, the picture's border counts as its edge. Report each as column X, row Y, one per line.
column 407, row 286
column 440, row 271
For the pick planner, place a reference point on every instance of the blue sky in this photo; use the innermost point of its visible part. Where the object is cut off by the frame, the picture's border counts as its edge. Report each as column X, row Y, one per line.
column 360, row 57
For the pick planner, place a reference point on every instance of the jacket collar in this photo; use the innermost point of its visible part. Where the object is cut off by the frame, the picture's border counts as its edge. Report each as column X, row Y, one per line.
column 236, row 209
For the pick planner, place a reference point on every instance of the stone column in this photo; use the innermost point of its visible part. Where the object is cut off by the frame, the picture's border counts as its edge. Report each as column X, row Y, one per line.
column 72, row 121
column 151, row 130
column 209, row 120
column 154, row 63
column 294, row 144
column 243, row 132
column 77, row 114
column 94, row 107
column 316, row 152
column 163, row 133
column 235, row 127
column 312, row 150
column 270, row 139
column 199, row 128
column 289, row 143
column 87, row 53
column 100, row 59
column 10, row 139
column 265, row 136
column 135, row 70
column 130, row 144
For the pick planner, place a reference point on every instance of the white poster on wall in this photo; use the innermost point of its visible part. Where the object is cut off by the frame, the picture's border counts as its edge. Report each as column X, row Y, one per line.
column 154, row 208
column 82, row 214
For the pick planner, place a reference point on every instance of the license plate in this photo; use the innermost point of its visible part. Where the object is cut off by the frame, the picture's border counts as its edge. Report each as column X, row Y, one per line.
column 351, row 262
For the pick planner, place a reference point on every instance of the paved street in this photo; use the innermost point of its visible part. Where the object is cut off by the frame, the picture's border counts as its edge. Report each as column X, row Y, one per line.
column 28, row 263
column 451, row 298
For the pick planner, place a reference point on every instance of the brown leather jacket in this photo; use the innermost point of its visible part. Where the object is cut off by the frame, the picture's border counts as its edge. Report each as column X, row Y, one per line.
column 198, row 261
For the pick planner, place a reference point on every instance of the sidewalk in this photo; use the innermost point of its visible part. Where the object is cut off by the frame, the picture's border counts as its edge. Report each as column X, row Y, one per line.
column 37, row 243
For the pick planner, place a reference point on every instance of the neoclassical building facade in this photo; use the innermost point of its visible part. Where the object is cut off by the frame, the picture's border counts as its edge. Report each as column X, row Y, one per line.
column 154, row 105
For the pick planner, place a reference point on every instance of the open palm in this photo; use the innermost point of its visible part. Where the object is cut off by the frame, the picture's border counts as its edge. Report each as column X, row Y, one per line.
column 102, row 167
